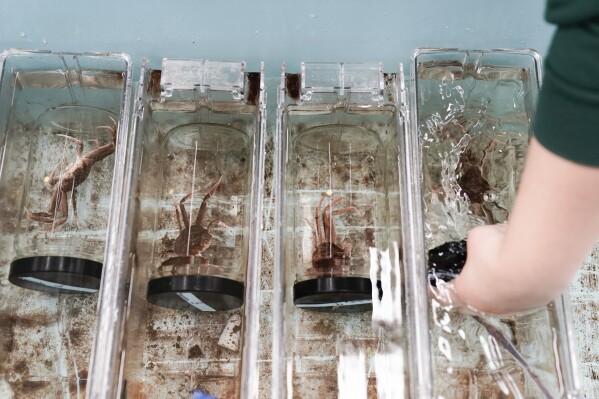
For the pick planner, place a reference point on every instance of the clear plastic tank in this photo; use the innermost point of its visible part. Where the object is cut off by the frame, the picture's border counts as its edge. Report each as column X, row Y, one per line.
column 64, row 118
column 339, row 304
column 473, row 112
column 190, row 241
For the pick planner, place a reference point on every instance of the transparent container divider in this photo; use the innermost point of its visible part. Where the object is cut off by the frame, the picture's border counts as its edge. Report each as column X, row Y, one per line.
column 342, row 303
column 190, row 251
column 64, row 118
column 472, row 113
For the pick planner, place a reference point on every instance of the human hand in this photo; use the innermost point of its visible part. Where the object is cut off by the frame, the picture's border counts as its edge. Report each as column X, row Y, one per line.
column 478, row 286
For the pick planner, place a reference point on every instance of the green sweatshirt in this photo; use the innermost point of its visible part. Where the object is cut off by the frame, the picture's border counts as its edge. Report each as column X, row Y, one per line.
column 567, row 118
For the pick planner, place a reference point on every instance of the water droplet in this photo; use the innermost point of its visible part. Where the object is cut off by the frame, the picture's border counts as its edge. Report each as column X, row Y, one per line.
column 22, row 34
column 313, row 16
column 44, row 40
column 490, row 196
column 256, row 32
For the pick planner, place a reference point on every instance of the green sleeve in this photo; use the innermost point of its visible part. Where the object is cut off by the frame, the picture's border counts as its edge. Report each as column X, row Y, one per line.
column 567, row 117
column 570, row 12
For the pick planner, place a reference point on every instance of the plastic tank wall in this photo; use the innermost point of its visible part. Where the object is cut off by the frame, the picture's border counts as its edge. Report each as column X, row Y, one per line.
column 310, row 30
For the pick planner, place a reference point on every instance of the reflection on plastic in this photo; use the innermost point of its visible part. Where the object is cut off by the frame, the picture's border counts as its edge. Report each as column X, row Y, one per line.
column 56, row 285
column 351, row 375
column 195, row 301
column 386, row 302
column 491, row 343
column 497, row 337
column 388, row 367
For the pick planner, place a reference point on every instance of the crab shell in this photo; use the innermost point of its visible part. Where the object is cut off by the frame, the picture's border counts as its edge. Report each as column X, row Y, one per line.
column 329, row 255
column 194, row 242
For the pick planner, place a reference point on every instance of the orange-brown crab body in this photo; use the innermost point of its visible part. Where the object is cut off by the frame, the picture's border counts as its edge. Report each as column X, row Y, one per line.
column 327, row 254
column 193, row 238
column 71, row 177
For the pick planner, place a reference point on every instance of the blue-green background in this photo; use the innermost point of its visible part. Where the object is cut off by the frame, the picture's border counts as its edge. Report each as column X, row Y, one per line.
column 272, row 31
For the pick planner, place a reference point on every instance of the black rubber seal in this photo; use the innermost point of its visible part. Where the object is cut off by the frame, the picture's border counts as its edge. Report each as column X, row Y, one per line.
column 446, row 261
column 199, row 293
column 335, row 294
column 56, row 274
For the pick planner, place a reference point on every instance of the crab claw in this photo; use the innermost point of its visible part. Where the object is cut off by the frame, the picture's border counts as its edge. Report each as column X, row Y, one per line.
column 112, row 128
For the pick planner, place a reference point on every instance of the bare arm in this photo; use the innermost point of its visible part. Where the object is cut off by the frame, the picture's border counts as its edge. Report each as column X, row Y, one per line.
column 552, row 228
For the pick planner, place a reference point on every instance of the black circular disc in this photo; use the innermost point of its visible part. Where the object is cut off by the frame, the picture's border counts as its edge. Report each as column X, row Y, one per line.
column 446, row 261
column 204, row 293
column 56, row 274
column 335, row 294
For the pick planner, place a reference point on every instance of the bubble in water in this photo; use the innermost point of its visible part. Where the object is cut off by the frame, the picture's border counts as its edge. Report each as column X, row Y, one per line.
column 490, row 196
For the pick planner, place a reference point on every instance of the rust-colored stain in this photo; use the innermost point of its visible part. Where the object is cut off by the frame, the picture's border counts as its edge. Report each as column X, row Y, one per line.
column 253, row 90
column 292, row 85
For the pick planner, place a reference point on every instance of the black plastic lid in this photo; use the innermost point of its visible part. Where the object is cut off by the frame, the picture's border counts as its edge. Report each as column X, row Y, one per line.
column 335, row 294
column 204, row 293
column 446, row 261
column 56, row 274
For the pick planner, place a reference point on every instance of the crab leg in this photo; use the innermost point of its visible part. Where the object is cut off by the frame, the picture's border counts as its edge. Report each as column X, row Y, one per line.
column 329, row 235
column 74, row 202
column 314, row 238
column 74, row 140
column 317, row 220
column 101, row 152
column 218, row 223
column 202, row 212
column 64, row 210
column 178, row 213
column 47, row 217
column 183, row 211
column 339, row 212
column 329, row 225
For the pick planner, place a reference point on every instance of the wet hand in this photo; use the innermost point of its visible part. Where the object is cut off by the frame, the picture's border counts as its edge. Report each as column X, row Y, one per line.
column 478, row 286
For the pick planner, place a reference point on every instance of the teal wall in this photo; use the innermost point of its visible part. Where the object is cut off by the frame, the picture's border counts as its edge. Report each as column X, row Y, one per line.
column 272, row 31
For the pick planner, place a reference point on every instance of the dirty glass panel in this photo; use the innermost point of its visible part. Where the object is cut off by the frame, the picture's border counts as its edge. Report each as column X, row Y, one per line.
column 474, row 112
column 62, row 123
